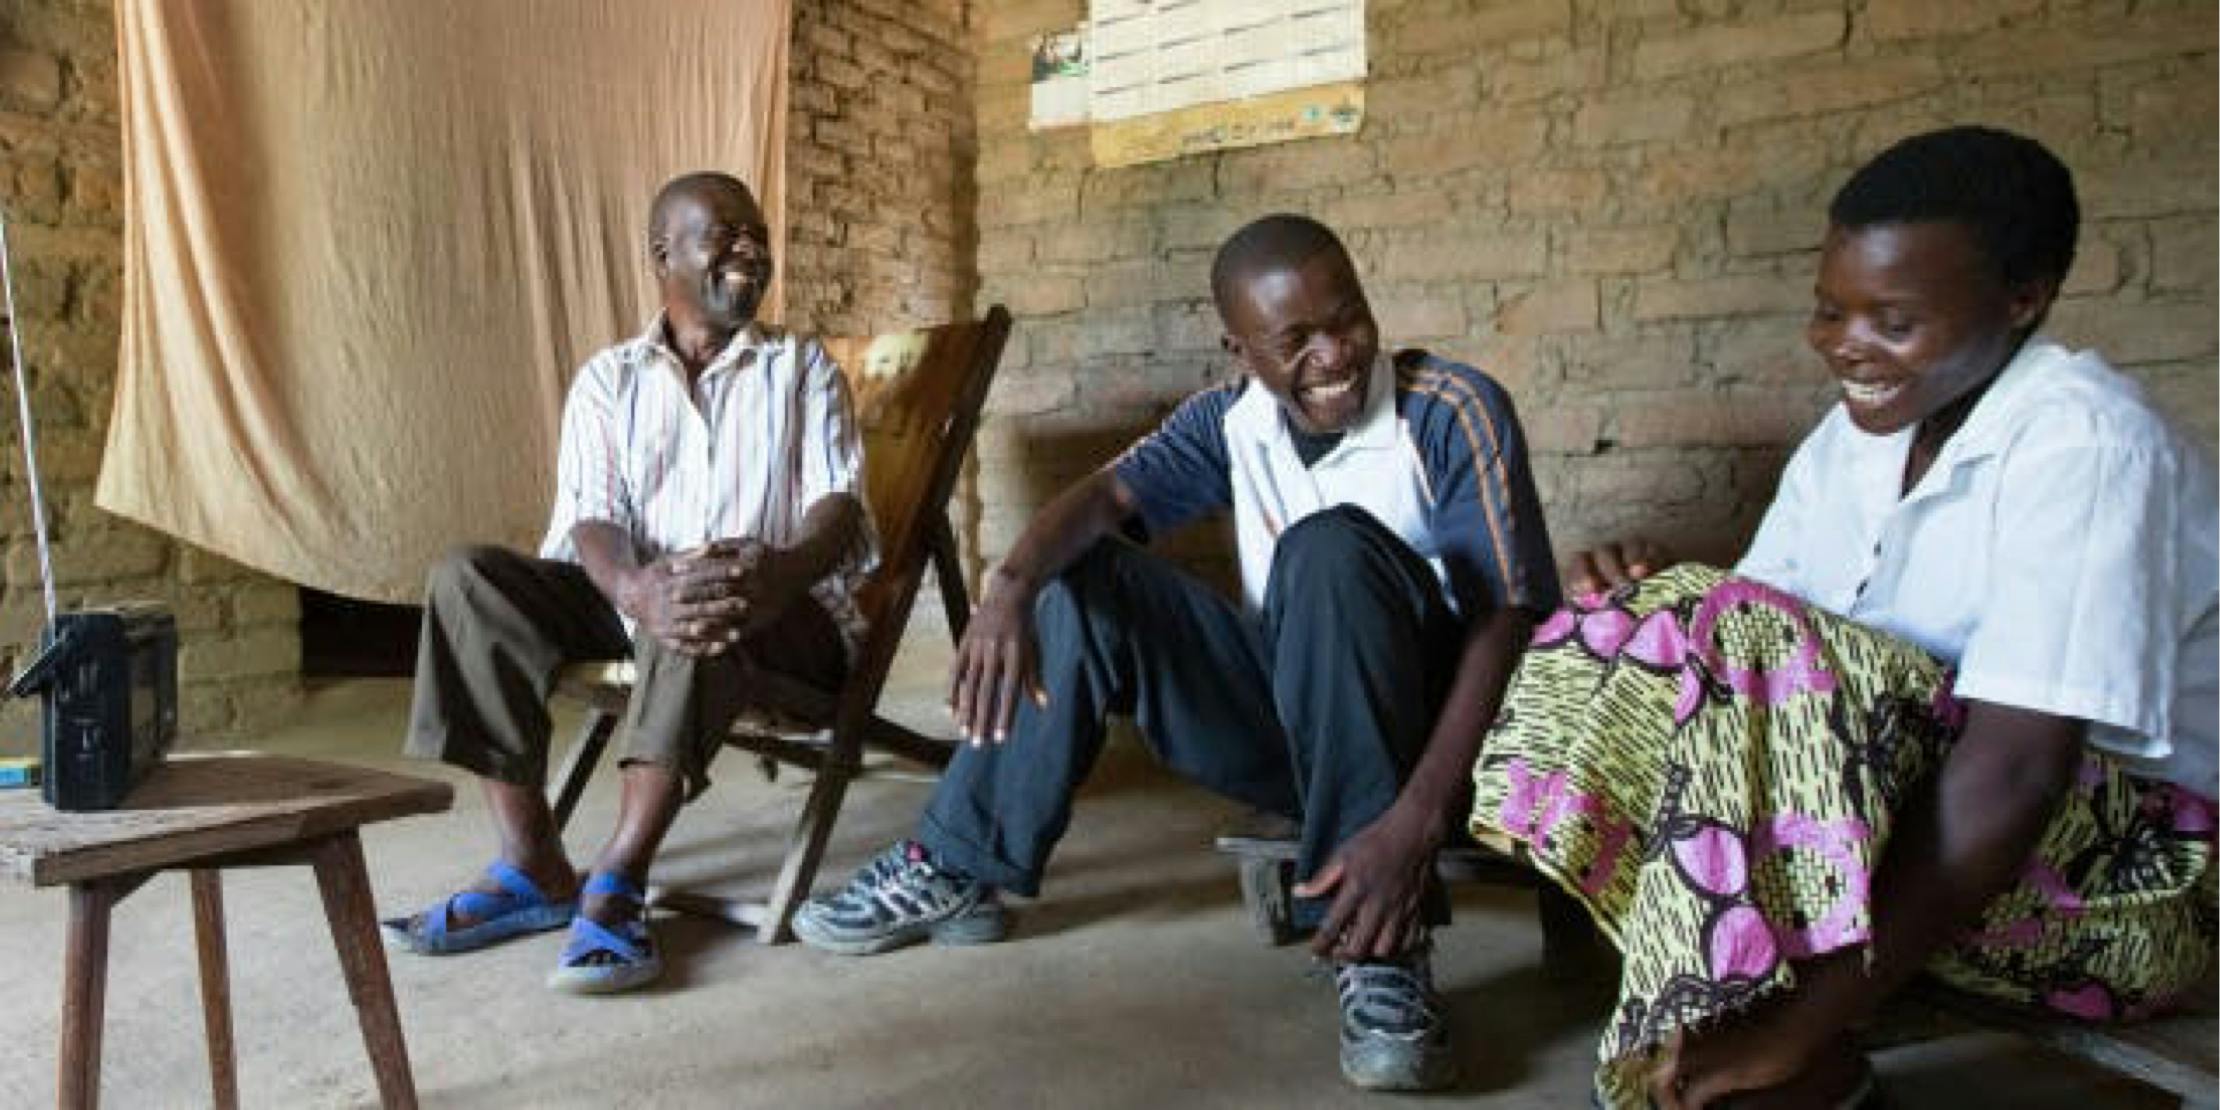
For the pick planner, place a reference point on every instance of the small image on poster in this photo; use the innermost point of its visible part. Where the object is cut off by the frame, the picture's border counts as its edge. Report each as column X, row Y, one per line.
column 1060, row 66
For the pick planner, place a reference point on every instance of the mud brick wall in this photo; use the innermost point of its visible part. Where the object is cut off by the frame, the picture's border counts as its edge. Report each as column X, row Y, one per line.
column 880, row 154
column 880, row 149
column 1610, row 205
column 61, row 186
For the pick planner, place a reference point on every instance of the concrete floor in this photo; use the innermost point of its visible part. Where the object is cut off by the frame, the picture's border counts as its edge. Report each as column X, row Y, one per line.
column 1135, row 980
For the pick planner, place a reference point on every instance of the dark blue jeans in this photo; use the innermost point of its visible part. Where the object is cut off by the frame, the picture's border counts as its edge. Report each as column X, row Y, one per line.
column 1316, row 711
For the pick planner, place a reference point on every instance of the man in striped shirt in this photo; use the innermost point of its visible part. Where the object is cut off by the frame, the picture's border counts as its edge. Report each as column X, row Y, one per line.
column 707, row 523
column 1393, row 559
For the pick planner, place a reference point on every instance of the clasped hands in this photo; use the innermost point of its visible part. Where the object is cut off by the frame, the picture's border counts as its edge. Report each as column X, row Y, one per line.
column 705, row 600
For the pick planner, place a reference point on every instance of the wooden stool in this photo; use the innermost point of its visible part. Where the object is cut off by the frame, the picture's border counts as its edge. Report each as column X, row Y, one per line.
column 203, row 813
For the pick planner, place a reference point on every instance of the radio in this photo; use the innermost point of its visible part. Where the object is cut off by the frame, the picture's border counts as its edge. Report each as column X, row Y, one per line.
column 107, row 675
column 109, row 679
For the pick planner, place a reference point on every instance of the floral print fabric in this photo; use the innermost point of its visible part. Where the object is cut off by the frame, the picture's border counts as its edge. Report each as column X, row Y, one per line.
column 1712, row 766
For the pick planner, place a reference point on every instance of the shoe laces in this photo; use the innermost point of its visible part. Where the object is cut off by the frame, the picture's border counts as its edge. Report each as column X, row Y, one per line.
column 907, row 868
column 1390, row 996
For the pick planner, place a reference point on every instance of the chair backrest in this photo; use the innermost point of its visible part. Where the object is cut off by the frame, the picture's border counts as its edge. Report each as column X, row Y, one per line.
column 918, row 395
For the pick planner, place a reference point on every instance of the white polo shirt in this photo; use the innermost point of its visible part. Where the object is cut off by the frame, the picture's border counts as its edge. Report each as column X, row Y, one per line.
column 762, row 434
column 1437, row 456
column 2062, row 552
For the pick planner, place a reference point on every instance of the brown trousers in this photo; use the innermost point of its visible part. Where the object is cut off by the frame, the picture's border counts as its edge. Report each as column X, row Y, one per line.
column 499, row 626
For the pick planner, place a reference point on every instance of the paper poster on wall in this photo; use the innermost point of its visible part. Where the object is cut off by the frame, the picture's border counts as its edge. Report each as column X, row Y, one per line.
column 1174, row 77
column 1276, row 118
column 1059, row 79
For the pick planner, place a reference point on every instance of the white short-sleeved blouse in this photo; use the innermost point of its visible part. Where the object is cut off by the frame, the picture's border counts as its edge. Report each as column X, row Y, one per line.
column 2061, row 552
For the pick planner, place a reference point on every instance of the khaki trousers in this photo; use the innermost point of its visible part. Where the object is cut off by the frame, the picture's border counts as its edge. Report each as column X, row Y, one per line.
column 498, row 628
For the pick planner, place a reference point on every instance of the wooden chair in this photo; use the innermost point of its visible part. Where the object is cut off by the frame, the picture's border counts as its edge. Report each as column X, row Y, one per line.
column 918, row 396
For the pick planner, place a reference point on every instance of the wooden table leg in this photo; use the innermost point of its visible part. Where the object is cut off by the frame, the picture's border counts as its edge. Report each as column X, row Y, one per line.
column 215, row 986
column 84, row 990
column 345, row 883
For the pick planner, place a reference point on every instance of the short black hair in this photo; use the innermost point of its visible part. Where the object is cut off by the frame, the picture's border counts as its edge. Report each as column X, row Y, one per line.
column 2014, row 195
column 1281, row 241
column 698, row 183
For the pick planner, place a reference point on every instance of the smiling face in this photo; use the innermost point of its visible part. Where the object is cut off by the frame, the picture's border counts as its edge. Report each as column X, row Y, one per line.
column 1306, row 334
column 713, row 257
column 1911, row 317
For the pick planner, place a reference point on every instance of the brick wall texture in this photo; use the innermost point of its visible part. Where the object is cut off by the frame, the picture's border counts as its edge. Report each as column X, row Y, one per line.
column 61, row 185
column 1612, row 206
column 1609, row 204
column 880, row 145
column 880, row 148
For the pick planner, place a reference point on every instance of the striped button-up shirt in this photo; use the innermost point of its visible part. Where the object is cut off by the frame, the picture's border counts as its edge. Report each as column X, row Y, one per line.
column 761, row 435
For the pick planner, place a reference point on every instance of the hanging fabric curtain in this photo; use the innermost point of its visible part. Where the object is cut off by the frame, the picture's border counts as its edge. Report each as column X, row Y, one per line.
column 368, row 244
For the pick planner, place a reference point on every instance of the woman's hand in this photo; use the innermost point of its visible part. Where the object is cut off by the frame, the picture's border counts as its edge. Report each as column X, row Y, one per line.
column 1608, row 566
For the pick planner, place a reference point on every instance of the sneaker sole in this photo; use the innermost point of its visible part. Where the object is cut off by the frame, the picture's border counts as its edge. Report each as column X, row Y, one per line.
column 955, row 932
column 1384, row 1070
column 603, row 980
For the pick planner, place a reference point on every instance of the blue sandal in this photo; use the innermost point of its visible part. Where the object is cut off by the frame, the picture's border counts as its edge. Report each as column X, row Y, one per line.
column 519, row 907
column 636, row 962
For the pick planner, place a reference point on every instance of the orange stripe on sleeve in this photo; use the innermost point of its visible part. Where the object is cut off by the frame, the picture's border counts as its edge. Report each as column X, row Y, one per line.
column 1489, row 501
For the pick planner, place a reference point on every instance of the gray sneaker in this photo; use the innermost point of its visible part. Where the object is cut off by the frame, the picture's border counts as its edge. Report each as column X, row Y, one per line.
column 901, row 898
column 1393, row 1035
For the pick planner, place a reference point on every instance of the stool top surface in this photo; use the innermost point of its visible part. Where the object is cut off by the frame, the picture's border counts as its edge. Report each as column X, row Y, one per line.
column 199, row 805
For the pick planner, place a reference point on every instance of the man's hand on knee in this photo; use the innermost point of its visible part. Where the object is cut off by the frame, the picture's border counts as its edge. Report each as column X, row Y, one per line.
column 997, row 663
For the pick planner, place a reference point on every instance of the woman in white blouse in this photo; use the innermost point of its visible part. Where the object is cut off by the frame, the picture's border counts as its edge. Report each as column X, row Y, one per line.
column 1953, row 712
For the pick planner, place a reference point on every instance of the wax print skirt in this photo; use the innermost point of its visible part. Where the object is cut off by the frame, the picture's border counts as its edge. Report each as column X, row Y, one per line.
column 1712, row 765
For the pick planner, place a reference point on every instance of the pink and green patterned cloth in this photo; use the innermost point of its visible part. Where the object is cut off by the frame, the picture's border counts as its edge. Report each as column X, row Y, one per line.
column 1712, row 766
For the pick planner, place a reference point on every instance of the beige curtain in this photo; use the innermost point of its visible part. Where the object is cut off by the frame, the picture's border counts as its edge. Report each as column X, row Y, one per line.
column 368, row 242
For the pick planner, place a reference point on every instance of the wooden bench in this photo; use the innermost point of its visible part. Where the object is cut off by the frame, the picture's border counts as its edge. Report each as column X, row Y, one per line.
column 2179, row 1054
column 204, row 813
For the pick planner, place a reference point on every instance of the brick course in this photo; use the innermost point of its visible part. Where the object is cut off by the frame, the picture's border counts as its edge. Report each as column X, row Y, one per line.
column 1615, row 208
column 881, row 236
column 61, row 182
column 879, row 185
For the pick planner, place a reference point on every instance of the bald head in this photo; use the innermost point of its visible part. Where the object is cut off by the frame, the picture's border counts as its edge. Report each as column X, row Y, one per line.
column 1280, row 242
column 711, row 251
column 705, row 189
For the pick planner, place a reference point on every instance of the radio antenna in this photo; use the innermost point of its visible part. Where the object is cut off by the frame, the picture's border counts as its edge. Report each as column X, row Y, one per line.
column 23, row 413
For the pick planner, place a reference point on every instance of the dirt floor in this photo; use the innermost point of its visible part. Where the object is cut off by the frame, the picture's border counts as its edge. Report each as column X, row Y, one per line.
column 1134, row 981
